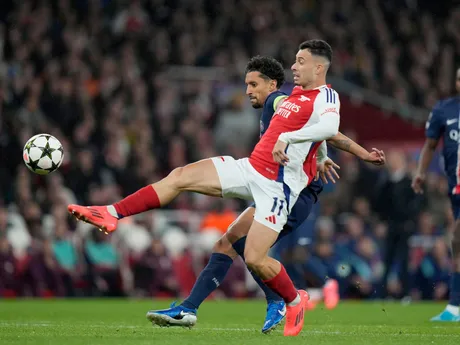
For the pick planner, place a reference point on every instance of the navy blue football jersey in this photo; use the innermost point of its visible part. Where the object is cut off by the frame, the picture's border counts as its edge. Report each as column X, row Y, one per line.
column 268, row 110
column 444, row 122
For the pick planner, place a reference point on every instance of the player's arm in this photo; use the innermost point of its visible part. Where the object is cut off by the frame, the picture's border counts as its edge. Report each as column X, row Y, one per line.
column 433, row 130
column 326, row 166
column 342, row 142
column 325, row 128
column 327, row 109
column 321, row 154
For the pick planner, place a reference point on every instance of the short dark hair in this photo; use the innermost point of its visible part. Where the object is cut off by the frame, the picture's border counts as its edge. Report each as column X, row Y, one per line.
column 268, row 67
column 318, row 48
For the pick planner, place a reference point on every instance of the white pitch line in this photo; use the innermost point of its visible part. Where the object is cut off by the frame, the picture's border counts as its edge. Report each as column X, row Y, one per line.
column 220, row 329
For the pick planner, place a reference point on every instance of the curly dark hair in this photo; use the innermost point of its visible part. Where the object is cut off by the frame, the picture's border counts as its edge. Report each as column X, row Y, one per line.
column 268, row 67
column 318, row 48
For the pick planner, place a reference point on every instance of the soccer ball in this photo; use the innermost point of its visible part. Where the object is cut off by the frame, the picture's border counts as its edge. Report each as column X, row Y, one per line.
column 43, row 154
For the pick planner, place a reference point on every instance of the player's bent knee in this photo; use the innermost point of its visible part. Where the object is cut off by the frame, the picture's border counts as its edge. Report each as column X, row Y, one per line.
column 254, row 261
column 224, row 246
column 200, row 177
column 234, row 233
column 176, row 178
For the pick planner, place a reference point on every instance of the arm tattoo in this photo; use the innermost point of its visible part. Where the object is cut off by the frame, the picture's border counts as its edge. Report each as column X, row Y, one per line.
column 343, row 144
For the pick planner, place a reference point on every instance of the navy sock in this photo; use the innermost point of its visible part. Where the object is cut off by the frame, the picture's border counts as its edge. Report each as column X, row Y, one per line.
column 455, row 289
column 208, row 280
column 270, row 295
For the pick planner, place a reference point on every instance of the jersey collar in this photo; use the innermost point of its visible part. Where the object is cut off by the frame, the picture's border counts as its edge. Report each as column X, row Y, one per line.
column 319, row 87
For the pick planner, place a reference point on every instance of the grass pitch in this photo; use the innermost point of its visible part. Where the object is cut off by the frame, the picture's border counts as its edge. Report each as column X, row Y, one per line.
column 123, row 322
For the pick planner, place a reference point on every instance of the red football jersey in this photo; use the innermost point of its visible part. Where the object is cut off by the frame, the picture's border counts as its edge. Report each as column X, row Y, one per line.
column 302, row 109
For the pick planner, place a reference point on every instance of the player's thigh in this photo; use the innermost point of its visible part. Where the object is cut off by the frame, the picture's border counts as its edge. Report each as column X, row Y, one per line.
column 233, row 177
column 273, row 200
column 218, row 176
column 258, row 243
column 238, row 229
column 200, row 177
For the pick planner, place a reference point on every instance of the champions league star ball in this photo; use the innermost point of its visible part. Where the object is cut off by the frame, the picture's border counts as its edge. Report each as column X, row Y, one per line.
column 43, row 154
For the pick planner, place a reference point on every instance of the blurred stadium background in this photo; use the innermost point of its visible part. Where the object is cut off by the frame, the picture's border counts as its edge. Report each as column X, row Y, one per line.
column 136, row 88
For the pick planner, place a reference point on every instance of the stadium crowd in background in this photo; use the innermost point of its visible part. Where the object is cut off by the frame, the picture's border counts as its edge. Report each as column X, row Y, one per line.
column 92, row 74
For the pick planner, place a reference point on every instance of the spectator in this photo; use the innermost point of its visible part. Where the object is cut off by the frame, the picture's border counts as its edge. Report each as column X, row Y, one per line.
column 103, row 265
column 398, row 206
column 432, row 276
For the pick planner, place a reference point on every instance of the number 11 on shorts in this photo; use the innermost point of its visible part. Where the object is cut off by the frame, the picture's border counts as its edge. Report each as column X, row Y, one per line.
column 275, row 204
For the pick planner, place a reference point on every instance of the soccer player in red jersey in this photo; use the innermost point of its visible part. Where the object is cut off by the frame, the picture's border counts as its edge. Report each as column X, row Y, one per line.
column 264, row 78
column 273, row 176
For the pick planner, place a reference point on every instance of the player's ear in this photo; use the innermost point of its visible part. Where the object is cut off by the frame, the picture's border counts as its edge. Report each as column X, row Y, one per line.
column 319, row 68
column 272, row 86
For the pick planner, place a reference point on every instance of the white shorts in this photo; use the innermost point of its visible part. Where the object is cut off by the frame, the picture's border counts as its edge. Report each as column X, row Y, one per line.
column 240, row 180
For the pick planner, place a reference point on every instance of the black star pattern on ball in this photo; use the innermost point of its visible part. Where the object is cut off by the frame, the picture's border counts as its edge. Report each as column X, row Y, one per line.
column 33, row 164
column 47, row 151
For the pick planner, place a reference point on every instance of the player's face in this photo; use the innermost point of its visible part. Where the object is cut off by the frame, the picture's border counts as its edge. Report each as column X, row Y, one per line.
column 258, row 88
column 457, row 81
column 305, row 68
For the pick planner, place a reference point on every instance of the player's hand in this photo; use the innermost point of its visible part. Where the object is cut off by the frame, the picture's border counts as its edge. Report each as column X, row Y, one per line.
column 327, row 172
column 376, row 157
column 418, row 182
column 279, row 153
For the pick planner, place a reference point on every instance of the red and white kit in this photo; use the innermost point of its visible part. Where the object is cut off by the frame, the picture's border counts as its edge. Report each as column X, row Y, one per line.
column 303, row 121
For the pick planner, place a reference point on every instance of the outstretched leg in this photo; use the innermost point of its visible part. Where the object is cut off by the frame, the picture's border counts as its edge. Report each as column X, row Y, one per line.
column 200, row 177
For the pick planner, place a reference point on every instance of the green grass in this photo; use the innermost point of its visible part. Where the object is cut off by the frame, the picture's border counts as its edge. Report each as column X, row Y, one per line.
column 122, row 322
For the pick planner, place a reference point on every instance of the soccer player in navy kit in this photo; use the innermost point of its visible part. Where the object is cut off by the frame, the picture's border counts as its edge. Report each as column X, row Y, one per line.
column 264, row 77
column 444, row 122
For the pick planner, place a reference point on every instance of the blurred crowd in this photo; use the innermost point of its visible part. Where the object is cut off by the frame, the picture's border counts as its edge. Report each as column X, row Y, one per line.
column 91, row 73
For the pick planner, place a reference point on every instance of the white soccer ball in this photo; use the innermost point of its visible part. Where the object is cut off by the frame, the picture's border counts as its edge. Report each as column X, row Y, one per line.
column 43, row 154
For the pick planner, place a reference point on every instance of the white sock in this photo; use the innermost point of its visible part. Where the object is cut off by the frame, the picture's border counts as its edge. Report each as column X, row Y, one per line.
column 113, row 211
column 452, row 309
column 295, row 301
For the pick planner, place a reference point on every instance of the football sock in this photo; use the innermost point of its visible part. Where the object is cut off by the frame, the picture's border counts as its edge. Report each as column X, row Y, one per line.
column 295, row 301
column 454, row 297
column 208, row 280
column 270, row 295
column 283, row 286
column 143, row 200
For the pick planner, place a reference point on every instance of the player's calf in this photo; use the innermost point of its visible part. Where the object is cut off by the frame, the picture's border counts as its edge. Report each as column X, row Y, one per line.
column 259, row 241
column 451, row 312
column 454, row 298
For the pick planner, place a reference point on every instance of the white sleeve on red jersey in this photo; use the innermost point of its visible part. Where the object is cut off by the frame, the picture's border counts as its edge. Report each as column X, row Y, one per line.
column 321, row 154
column 324, row 122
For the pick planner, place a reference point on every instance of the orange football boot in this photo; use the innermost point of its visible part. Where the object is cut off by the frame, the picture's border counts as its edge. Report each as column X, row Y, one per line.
column 331, row 294
column 295, row 315
column 98, row 216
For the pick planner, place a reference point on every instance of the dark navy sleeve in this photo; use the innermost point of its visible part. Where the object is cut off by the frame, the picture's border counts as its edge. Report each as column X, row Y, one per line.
column 435, row 125
column 269, row 109
column 269, row 106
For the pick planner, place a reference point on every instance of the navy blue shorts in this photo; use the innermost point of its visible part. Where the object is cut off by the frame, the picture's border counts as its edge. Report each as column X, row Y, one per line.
column 299, row 213
column 455, row 201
